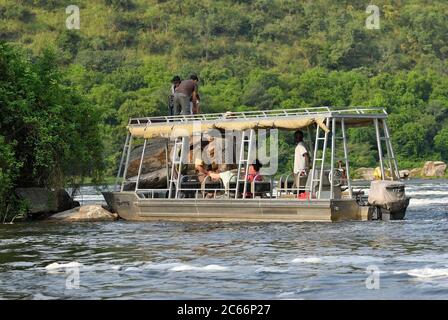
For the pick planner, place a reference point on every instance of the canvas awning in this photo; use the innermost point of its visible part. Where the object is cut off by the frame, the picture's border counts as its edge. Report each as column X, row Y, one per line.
column 187, row 128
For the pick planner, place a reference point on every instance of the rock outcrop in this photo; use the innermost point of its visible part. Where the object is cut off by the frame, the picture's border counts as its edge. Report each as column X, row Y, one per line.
column 366, row 173
column 416, row 173
column 43, row 201
column 154, row 158
column 152, row 180
column 154, row 173
column 84, row 213
column 405, row 174
column 434, row 169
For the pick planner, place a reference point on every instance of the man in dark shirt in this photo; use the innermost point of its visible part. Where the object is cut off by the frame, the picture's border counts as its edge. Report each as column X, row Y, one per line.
column 187, row 89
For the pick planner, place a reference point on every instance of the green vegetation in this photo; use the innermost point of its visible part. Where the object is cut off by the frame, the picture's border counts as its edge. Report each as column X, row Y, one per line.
column 254, row 54
column 49, row 134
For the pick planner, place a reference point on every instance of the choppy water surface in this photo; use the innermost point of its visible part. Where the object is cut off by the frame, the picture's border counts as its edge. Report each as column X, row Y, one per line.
column 127, row 260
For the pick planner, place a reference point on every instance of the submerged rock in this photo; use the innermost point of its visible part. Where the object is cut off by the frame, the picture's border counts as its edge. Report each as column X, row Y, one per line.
column 85, row 213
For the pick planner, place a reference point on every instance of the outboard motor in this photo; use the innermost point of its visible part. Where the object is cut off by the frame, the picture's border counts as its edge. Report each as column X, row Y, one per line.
column 387, row 200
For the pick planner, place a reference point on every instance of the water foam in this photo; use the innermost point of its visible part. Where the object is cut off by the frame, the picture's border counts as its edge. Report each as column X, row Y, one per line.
column 270, row 270
column 417, row 192
column 209, row 268
column 133, row 269
column 354, row 260
column 307, row 260
column 424, row 202
column 56, row 266
column 425, row 273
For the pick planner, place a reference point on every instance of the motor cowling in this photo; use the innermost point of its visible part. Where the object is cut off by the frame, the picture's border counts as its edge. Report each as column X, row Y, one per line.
column 388, row 198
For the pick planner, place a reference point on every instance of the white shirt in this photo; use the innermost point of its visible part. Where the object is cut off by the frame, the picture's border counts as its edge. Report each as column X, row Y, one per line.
column 227, row 177
column 299, row 158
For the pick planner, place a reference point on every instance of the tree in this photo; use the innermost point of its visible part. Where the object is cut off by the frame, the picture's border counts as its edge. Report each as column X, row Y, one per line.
column 49, row 133
column 441, row 143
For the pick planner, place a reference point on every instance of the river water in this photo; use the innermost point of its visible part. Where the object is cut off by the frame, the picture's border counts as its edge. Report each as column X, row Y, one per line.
column 156, row 260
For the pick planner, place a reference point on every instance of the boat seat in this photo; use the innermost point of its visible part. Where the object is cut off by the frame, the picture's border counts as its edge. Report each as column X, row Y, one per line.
column 261, row 186
column 232, row 186
column 210, row 184
column 289, row 184
column 190, row 182
column 255, row 187
column 191, row 185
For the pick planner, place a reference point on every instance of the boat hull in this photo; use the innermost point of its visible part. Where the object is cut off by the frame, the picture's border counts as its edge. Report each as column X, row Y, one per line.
column 130, row 207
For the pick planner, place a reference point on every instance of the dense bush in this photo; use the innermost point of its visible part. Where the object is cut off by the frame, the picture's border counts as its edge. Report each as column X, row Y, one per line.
column 49, row 134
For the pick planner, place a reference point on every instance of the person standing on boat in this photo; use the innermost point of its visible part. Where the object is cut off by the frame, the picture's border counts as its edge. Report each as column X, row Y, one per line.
column 301, row 159
column 175, row 83
column 187, row 89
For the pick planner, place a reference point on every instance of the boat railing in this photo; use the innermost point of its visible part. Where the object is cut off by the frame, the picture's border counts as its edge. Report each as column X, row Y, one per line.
column 198, row 190
column 151, row 193
column 275, row 113
column 269, row 187
column 286, row 186
column 262, row 187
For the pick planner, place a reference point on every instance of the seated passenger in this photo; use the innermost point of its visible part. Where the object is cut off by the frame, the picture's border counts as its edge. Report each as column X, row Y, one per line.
column 226, row 174
column 254, row 172
column 201, row 171
column 205, row 172
column 253, row 175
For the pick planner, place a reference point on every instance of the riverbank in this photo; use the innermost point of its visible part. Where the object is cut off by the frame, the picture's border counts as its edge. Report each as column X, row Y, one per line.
column 430, row 170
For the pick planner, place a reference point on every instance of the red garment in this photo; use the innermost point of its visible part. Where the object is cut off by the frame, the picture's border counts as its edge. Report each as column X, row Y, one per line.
column 253, row 175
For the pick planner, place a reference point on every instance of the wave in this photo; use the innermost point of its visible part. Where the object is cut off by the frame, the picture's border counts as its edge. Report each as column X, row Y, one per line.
column 418, row 192
column 354, row 260
column 133, row 269
column 270, row 270
column 56, row 266
column 162, row 266
column 209, row 268
column 425, row 273
column 21, row 264
column 170, row 266
column 307, row 260
column 286, row 294
column 433, row 257
column 424, row 202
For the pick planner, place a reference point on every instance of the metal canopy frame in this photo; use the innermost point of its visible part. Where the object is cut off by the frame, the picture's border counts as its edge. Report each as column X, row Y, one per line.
column 323, row 112
column 335, row 119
